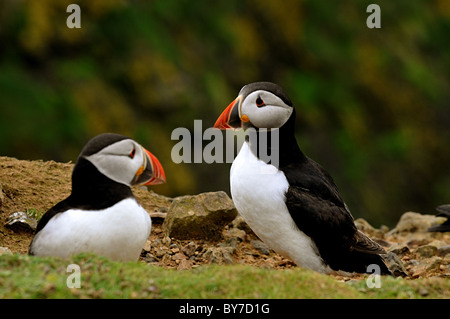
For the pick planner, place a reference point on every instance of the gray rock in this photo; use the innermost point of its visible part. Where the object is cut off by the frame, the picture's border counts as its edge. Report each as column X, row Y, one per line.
column 240, row 223
column 21, row 222
column 189, row 249
column 202, row 216
column 434, row 263
column 416, row 242
column 236, row 233
column 399, row 249
column 414, row 223
column 443, row 251
column 395, row 265
column 426, row 251
column 185, row 264
column 413, row 262
column 261, row 247
column 219, row 255
column 149, row 258
column 423, row 292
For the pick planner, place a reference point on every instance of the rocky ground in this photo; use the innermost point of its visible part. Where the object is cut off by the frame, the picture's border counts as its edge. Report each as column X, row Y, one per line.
column 190, row 231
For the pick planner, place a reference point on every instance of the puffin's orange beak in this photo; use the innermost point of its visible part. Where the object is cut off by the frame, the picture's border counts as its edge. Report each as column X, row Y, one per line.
column 230, row 117
column 151, row 172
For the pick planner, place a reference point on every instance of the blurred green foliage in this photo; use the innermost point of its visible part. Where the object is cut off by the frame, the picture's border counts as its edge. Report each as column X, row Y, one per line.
column 372, row 104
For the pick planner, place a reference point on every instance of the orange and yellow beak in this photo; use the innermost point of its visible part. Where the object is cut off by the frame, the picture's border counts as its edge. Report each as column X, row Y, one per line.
column 231, row 116
column 151, row 172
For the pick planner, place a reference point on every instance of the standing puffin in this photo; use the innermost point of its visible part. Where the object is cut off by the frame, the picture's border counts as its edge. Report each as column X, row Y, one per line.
column 295, row 206
column 101, row 215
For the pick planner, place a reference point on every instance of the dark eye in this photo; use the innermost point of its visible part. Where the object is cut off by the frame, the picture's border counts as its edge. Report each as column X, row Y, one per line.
column 259, row 102
column 132, row 153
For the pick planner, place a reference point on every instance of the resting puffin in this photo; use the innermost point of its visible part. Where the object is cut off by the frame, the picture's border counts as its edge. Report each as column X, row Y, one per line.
column 295, row 206
column 101, row 215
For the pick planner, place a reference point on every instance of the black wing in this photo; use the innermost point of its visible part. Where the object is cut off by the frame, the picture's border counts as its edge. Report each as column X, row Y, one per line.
column 318, row 210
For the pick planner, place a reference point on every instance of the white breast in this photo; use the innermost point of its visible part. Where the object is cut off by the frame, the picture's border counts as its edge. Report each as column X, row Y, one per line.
column 258, row 192
column 118, row 232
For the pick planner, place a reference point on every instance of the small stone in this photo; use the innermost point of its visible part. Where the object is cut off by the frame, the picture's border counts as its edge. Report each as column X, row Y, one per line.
column 261, row 247
column 157, row 242
column 395, row 265
column 149, row 258
column 219, row 255
column 230, row 242
column 227, row 256
column 185, row 264
column 237, row 233
column 21, row 222
column 240, row 223
column 399, row 249
column 423, row 292
column 147, row 246
column 413, row 262
column 427, row 251
column 179, row 256
column 434, row 264
column 166, row 259
column 443, row 251
column 418, row 242
column 189, row 249
column 159, row 252
column 166, row 241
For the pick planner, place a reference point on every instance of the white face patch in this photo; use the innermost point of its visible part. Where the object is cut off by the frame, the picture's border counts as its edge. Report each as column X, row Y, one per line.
column 116, row 162
column 265, row 110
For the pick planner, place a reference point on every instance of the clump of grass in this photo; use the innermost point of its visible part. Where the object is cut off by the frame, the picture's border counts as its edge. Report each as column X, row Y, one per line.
column 34, row 213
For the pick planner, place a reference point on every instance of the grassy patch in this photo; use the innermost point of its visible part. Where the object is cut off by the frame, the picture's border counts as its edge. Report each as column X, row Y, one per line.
column 23, row 276
column 34, row 213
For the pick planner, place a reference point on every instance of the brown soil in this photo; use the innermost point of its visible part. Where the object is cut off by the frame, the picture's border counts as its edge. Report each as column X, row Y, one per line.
column 38, row 185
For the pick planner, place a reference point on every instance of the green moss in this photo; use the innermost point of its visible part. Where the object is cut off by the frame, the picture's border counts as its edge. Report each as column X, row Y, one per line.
column 35, row 277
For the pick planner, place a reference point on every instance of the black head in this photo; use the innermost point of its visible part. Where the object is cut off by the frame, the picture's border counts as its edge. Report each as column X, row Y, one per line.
column 266, row 86
column 259, row 105
column 123, row 160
